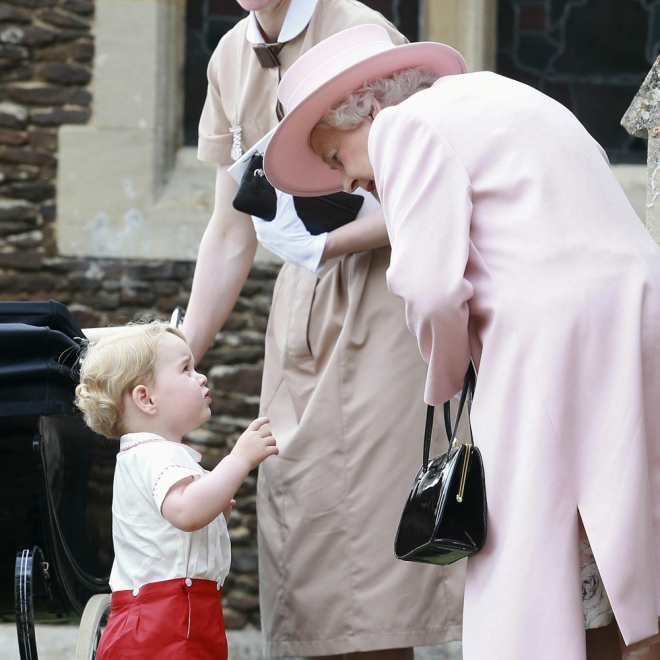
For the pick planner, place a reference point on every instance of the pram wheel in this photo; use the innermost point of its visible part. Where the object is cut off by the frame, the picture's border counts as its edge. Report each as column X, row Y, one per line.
column 93, row 620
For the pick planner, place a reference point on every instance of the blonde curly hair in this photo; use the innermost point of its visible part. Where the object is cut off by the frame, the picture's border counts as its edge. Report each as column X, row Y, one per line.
column 112, row 367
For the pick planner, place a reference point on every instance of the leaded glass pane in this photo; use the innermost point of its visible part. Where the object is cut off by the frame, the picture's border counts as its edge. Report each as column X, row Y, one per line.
column 591, row 55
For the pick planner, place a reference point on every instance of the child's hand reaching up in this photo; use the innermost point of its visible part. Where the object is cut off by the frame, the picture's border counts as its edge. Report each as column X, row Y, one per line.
column 256, row 444
column 190, row 505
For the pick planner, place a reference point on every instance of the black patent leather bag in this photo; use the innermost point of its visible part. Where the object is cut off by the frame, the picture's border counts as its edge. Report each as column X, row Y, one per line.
column 255, row 194
column 444, row 518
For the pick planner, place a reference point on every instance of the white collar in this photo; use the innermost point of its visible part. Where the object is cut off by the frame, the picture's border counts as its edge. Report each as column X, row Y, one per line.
column 130, row 440
column 296, row 20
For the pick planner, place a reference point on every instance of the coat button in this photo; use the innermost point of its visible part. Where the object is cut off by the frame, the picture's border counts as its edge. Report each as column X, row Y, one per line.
column 136, row 592
column 188, row 582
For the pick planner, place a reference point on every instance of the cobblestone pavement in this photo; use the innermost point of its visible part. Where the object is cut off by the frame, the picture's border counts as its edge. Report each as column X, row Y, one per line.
column 58, row 642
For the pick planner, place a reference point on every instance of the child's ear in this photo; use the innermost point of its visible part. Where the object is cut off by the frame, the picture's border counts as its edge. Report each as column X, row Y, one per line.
column 141, row 396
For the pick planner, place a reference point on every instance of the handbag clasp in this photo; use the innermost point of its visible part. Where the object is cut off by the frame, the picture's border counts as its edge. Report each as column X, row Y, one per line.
column 464, row 471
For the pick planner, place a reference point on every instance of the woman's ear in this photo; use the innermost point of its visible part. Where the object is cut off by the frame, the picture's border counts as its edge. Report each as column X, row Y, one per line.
column 141, row 396
column 376, row 107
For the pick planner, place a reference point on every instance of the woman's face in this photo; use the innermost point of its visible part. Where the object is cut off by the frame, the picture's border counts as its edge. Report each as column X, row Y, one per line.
column 346, row 152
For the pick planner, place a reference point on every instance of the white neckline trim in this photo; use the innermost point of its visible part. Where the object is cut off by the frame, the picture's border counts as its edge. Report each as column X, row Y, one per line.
column 130, row 440
column 297, row 19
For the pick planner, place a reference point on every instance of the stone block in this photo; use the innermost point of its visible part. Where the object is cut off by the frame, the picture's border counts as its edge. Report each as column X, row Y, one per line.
column 31, row 35
column 63, row 19
column 17, row 210
column 165, row 288
column 27, row 240
column 14, row 72
column 7, row 228
column 65, row 74
column 248, row 583
column 244, row 378
column 9, row 14
column 137, row 298
column 13, row 137
column 80, row 96
column 242, row 602
column 101, row 301
column 61, row 265
column 247, row 504
column 83, row 50
column 33, row 4
column 46, row 140
column 20, row 260
column 34, row 93
column 57, row 53
column 237, row 406
column 244, row 560
column 34, row 191
column 25, row 157
column 10, row 173
column 152, row 271
column 12, row 115
column 59, row 116
column 48, row 210
column 78, row 7
column 240, row 536
column 13, row 54
column 233, row 620
column 86, row 317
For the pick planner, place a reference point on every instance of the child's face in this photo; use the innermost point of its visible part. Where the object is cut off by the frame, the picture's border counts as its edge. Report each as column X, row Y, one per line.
column 179, row 392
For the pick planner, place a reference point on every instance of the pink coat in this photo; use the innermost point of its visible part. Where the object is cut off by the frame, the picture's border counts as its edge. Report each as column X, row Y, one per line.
column 513, row 242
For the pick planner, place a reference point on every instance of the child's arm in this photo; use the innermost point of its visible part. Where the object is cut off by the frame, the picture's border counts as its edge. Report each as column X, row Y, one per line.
column 192, row 504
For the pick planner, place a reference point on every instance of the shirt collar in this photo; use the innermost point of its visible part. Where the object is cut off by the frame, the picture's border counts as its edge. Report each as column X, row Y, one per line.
column 130, row 440
column 296, row 20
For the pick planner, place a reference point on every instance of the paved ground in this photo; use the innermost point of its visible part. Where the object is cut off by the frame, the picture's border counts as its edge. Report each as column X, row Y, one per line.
column 58, row 642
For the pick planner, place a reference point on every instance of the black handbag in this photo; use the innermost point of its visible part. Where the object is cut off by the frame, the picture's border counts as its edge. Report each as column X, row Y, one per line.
column 255, row 194
column 444, row 518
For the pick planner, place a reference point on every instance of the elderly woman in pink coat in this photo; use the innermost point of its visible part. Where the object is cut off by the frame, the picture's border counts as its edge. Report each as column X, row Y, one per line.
column 513, row 244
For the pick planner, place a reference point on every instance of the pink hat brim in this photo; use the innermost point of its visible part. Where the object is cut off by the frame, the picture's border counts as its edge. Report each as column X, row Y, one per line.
column 291, row 164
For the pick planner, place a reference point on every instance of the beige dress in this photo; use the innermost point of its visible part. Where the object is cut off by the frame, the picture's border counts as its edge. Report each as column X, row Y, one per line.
column 343, row 387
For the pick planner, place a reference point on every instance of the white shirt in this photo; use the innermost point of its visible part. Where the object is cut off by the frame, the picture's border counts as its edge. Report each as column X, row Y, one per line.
column 147, row 547
column 296, row 20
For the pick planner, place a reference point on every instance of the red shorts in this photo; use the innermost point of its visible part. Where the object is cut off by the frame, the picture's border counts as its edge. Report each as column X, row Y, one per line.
column 168, row 620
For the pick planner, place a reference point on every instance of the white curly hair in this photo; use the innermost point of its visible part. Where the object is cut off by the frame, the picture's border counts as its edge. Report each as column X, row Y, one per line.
column 357, row 105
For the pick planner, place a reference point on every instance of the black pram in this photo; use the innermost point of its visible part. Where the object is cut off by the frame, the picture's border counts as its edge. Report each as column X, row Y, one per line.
column 55, row 481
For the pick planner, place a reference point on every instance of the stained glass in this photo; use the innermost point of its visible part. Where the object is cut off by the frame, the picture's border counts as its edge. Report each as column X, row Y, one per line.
column 591, row 55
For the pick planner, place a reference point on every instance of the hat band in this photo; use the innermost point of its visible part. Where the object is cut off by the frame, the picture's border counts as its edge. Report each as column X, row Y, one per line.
column 330, row 68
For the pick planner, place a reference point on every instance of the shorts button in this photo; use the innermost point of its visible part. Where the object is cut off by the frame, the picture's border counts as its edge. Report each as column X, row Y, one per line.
column 188, row 582
column 136, row 592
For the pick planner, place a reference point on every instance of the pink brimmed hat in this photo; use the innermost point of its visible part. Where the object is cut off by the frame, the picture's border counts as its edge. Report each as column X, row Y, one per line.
column 323, row 76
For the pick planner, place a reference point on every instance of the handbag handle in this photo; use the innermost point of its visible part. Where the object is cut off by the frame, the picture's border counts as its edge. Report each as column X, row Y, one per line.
column 467, row 394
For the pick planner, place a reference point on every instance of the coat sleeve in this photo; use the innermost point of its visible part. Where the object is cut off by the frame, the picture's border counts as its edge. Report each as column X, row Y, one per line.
column 427, row 200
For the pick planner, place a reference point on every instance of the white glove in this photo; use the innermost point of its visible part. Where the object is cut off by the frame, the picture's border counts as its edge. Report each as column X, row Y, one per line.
column 288, row 238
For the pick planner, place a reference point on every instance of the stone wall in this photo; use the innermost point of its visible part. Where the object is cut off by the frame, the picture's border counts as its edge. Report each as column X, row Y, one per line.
column 45, row 65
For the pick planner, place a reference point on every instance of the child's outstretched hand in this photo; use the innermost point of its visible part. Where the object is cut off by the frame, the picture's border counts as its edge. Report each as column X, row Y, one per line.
column 257, row 443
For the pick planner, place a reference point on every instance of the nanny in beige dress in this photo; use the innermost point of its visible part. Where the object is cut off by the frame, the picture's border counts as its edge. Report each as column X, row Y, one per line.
column 343, row 386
